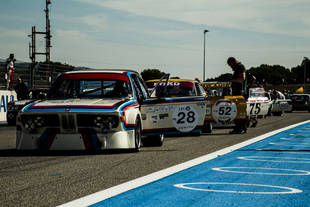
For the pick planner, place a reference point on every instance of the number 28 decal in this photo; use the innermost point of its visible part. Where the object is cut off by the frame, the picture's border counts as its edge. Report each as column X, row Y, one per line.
column 183, row 116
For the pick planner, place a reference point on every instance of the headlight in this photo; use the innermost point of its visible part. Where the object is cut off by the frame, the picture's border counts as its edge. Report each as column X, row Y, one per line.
column 104, row 123
column 97, row 121
column 33, row 123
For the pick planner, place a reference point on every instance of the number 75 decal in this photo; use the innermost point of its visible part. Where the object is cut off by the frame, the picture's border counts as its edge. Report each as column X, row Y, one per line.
column 255, row 108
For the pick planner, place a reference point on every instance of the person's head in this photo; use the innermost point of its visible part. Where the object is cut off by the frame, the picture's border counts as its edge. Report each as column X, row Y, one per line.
column 12, row 56
column 19, row 80
column 231, row 61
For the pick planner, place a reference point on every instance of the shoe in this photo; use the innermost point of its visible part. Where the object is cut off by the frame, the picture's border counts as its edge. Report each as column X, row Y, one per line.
column 237, row 132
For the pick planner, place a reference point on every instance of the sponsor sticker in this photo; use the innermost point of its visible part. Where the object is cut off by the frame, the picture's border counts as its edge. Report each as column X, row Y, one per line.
column 185, row 118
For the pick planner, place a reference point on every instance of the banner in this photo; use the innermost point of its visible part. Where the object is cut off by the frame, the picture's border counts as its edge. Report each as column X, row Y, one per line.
column 5, row 97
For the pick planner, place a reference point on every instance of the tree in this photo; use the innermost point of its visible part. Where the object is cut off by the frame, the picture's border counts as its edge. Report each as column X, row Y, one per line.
column 149, row 74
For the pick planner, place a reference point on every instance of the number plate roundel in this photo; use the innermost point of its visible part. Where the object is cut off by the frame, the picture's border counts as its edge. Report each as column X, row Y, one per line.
column 185, row 118
column 224, row 111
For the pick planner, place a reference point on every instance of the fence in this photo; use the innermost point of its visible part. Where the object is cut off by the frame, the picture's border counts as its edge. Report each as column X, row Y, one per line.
column 38, row 75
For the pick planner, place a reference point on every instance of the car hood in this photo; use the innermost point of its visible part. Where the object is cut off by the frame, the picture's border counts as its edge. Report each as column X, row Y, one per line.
column 75, row 104
column 22, row 102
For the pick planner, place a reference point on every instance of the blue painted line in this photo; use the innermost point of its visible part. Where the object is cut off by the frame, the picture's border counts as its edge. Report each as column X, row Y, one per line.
column 260, row 174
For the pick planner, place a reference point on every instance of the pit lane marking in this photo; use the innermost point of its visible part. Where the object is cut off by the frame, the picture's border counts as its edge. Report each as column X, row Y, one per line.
column 290, row 190
column 289, row 145
column 138, row 182
column 281, row 159
column 297, row 172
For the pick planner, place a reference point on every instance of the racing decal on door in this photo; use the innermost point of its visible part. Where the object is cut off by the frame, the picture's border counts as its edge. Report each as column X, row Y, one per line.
column 255, row 108
column 185, row 118
column 224, row 111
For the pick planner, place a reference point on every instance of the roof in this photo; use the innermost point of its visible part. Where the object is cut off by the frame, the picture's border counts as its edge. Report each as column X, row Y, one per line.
column 172, row 80
column 101, row 71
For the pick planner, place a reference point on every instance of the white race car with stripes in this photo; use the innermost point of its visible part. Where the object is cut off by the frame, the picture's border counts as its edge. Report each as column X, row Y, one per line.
column 103, row 109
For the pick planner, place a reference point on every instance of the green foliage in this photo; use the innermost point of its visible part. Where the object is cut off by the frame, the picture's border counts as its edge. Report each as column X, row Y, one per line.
column 149, row 74
column 222, row 78
column 274, row 74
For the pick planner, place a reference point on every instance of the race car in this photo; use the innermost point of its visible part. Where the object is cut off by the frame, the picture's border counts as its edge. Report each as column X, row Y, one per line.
column 15, row 106
column 258, row 105
column 103, row 109
column 279, row 103
column 300, row 102
column 223, row 110
column 173, row 91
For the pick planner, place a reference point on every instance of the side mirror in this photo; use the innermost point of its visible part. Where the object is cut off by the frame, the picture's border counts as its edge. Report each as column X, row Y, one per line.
column 140, row 97
column 42, row 96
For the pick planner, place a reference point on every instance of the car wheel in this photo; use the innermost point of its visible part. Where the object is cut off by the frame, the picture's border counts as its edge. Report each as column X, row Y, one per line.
column 137, row 135
column 277, row 113
column 156, row 140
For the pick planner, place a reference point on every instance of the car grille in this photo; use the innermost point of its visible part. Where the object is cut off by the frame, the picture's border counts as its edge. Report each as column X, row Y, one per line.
column 68, row 121
column 86, row 120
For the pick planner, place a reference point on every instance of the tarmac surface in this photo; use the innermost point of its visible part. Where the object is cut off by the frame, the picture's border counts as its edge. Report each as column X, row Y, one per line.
column 32, row 179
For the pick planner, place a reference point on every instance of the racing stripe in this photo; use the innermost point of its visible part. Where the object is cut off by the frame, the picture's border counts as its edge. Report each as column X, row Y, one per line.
column 47, row 138
column 174, row 100
column 114, row 106
column 90, row 139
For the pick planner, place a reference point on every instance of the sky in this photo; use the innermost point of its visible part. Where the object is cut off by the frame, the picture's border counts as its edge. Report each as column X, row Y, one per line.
column 161, row 34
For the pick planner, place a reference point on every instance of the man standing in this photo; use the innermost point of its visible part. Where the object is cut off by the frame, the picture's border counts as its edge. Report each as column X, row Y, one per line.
column 238, row 89
column 238, row 78
column 10, row 69
column 21, row 89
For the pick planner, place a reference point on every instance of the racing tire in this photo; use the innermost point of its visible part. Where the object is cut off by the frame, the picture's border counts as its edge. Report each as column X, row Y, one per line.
column 277, row 113
column 154, row 141
column 137, row 133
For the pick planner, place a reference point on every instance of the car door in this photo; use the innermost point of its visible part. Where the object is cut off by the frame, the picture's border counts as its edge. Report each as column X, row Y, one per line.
column 175, row 115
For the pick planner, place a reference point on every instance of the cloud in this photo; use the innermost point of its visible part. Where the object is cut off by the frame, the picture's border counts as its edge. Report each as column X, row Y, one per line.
column 268, row 16
column 16, row 33
column 98, row 21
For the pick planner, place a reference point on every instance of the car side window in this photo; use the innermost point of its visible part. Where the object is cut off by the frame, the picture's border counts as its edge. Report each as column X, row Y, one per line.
column 199, row 89
column 143, row 88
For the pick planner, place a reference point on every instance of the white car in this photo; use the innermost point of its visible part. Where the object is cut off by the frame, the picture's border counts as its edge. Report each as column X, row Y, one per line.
column 103, row 109
column 280, row 104
column 258, row 105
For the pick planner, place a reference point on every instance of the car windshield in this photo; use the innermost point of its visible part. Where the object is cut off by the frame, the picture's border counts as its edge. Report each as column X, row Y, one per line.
column 176, row 89
column 84, row 88
column 37, row 94
column 256, row 92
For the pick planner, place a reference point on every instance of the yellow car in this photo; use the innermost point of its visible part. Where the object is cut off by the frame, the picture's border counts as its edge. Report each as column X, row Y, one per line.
column 223, row 110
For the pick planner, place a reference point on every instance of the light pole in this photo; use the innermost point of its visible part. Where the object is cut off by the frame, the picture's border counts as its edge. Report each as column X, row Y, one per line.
column 304, row 63
column 204, row 53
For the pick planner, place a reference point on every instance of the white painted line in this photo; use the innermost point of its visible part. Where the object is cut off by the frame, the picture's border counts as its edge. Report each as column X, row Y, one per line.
column 268, row 171
column 116, row 190
column 290, row 145
column 275, row 159
column 295, row 139
column 291, row 190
